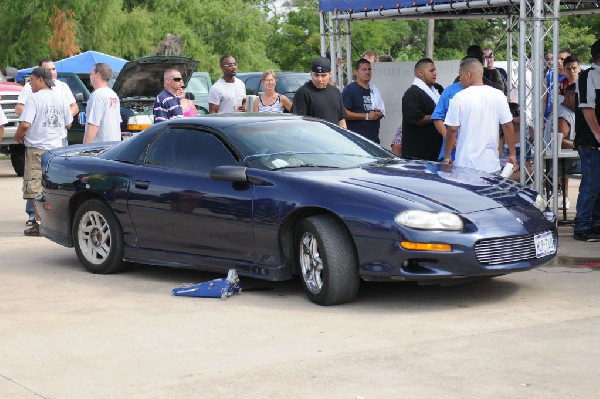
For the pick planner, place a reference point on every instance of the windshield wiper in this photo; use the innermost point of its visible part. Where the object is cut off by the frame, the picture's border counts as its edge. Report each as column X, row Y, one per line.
column 306, row 165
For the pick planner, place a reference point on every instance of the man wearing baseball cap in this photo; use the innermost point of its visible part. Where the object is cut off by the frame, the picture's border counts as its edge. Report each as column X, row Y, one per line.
column 318, row 98
column 587, row 143
column 42, row 126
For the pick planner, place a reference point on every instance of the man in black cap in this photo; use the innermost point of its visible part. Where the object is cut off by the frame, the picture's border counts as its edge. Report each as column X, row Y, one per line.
column 42, row 126
column 587, row 143
column 318, row 98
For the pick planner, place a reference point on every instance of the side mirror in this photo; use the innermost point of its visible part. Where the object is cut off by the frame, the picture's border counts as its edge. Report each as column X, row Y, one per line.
column 12, row 72
column 79, row 97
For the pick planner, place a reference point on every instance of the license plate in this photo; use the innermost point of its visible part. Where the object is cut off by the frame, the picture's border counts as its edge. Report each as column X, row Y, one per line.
column 544, row 244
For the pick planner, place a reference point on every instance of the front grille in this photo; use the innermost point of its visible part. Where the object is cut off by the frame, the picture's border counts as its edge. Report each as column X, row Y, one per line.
column 498, row 251
column 8, row 102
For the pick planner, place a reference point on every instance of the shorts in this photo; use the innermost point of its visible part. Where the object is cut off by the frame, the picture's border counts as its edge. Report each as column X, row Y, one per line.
column 32, row 178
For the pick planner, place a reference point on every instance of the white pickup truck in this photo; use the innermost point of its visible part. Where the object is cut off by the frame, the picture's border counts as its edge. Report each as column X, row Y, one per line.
column 9, row 92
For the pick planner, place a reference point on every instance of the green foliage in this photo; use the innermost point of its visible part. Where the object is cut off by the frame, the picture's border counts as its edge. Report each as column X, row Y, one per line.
column 248, row 30
column 296, row 40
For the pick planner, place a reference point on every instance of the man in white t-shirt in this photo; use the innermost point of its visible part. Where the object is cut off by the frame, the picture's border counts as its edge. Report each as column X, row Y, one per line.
column 42, row 126
column 65, row 91
column 59, row 86
column 103, row 112
column 476, row 112
column 228, row 93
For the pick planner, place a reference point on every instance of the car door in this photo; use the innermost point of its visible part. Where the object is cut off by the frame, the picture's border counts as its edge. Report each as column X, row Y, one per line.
column 176, row 207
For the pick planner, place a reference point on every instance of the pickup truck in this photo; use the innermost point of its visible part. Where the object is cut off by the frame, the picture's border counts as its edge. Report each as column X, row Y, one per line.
column 9, row 92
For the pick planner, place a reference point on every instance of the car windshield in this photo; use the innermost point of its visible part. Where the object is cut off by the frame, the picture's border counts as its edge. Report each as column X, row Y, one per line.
column 288, row 144
column 291, row 83
column 197, row 84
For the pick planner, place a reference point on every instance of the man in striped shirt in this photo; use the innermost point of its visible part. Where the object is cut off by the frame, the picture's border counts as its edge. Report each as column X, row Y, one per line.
column 167, row 105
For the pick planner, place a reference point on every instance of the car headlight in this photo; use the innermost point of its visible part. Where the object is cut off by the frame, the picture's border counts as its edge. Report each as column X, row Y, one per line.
column 540, row 203
column 137, row 123
column 430, row 220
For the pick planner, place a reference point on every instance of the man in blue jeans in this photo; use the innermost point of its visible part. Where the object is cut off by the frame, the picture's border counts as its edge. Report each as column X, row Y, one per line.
column 587, row 143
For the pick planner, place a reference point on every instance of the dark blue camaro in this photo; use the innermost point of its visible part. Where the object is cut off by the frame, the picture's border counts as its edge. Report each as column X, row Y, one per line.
column 273, row 196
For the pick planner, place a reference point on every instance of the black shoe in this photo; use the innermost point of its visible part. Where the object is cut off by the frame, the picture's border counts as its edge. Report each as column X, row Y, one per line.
column 586, row 235
column 34, row 231
column 30, row 222
column 595, row 230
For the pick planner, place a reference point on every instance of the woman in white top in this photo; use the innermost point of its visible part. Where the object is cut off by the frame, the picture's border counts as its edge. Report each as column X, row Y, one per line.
column 270, row 100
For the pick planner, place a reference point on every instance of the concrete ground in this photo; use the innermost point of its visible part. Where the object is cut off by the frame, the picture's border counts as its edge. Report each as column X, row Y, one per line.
column 65, row 333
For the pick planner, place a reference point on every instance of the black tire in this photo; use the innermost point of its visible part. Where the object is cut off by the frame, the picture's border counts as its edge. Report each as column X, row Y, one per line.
column 327, row 260
column 98, row 238
column 17, row 159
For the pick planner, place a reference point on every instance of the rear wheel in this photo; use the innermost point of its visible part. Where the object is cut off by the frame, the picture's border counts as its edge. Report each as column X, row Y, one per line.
column 98, row 238
column 327, row 260
column 17, row 159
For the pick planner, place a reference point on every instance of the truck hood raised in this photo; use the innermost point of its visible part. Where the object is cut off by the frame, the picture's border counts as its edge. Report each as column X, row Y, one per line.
column 144, row 76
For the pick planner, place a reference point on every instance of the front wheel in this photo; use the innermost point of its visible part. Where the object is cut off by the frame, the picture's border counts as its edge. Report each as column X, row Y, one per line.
column 98, row 238
column 327, row 260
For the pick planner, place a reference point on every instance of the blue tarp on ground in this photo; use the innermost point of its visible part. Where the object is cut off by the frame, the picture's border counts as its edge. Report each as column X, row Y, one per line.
column 81, row 63
column 367, row 5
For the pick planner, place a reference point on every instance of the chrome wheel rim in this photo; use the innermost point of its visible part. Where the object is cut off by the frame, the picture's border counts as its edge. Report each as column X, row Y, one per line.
column 94, row 237
column 311, row 263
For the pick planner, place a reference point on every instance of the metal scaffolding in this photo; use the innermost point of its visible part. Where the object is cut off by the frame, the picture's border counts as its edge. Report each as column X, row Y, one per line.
column 536, row 21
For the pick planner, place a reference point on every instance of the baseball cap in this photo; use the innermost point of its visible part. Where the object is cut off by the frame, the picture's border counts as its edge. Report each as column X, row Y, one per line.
column 595, row 48
column 44, row 73
column 321, row 65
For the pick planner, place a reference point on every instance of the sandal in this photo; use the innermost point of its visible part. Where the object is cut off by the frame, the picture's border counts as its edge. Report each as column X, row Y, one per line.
column 34, row 231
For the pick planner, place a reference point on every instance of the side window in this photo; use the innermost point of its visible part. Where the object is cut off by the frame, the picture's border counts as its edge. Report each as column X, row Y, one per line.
column 74, row 86
column 188, row 150
column 252, row 85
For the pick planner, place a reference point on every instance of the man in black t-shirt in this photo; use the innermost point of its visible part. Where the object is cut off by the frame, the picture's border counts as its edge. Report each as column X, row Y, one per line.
column 318, row 98
column 587, row 143
column 361, row 107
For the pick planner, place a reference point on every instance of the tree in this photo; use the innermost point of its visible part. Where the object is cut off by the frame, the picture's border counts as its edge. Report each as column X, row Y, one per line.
column 62, row 42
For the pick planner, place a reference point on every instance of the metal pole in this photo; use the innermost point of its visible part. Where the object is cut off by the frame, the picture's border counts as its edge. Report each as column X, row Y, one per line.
column 322, row 28
column 523, row 61
column 430, row 37
column 538, row 125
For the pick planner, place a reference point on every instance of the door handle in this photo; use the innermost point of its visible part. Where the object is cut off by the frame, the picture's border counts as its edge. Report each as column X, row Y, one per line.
column 142, row 184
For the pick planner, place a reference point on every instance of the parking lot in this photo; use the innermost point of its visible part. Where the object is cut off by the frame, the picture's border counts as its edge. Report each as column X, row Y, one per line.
column 66, row 333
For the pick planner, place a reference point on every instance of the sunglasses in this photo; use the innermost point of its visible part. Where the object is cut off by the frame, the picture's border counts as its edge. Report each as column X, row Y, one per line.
column 231, row 64
column 176, row 79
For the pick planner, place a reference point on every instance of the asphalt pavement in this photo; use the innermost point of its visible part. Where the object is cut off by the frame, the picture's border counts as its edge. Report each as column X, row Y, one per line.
column 570, row 250
column 69, row 334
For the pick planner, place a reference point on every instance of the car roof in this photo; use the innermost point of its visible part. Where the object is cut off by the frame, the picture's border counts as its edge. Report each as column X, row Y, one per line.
column 219, row 121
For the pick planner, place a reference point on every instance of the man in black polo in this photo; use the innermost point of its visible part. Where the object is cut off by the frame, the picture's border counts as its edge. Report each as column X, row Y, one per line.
column 318, row 98
column 587, row 144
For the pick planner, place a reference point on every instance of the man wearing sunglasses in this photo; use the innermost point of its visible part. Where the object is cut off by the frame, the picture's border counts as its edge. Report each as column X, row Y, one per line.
column 228, row 93
column 167, row 105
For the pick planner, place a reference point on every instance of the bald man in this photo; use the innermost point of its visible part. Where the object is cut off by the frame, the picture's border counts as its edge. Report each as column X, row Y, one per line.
column 476, row 112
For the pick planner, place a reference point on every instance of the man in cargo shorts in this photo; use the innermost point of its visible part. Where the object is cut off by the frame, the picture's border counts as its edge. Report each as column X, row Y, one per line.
column 42, row 126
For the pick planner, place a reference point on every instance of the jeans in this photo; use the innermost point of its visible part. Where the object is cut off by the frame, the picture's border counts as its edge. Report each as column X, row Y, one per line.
column 588, row 201
column 29, row 208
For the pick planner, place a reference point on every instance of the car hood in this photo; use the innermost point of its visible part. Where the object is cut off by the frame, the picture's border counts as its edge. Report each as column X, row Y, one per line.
column 144, row 76
column 432, row 185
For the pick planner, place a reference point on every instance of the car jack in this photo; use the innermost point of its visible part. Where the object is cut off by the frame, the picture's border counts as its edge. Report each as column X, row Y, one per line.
column 218, row 288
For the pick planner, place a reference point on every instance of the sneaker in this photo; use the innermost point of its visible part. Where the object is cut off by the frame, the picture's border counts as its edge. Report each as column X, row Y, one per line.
column 33, row 231
column 30, row 222
column 586, row 235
